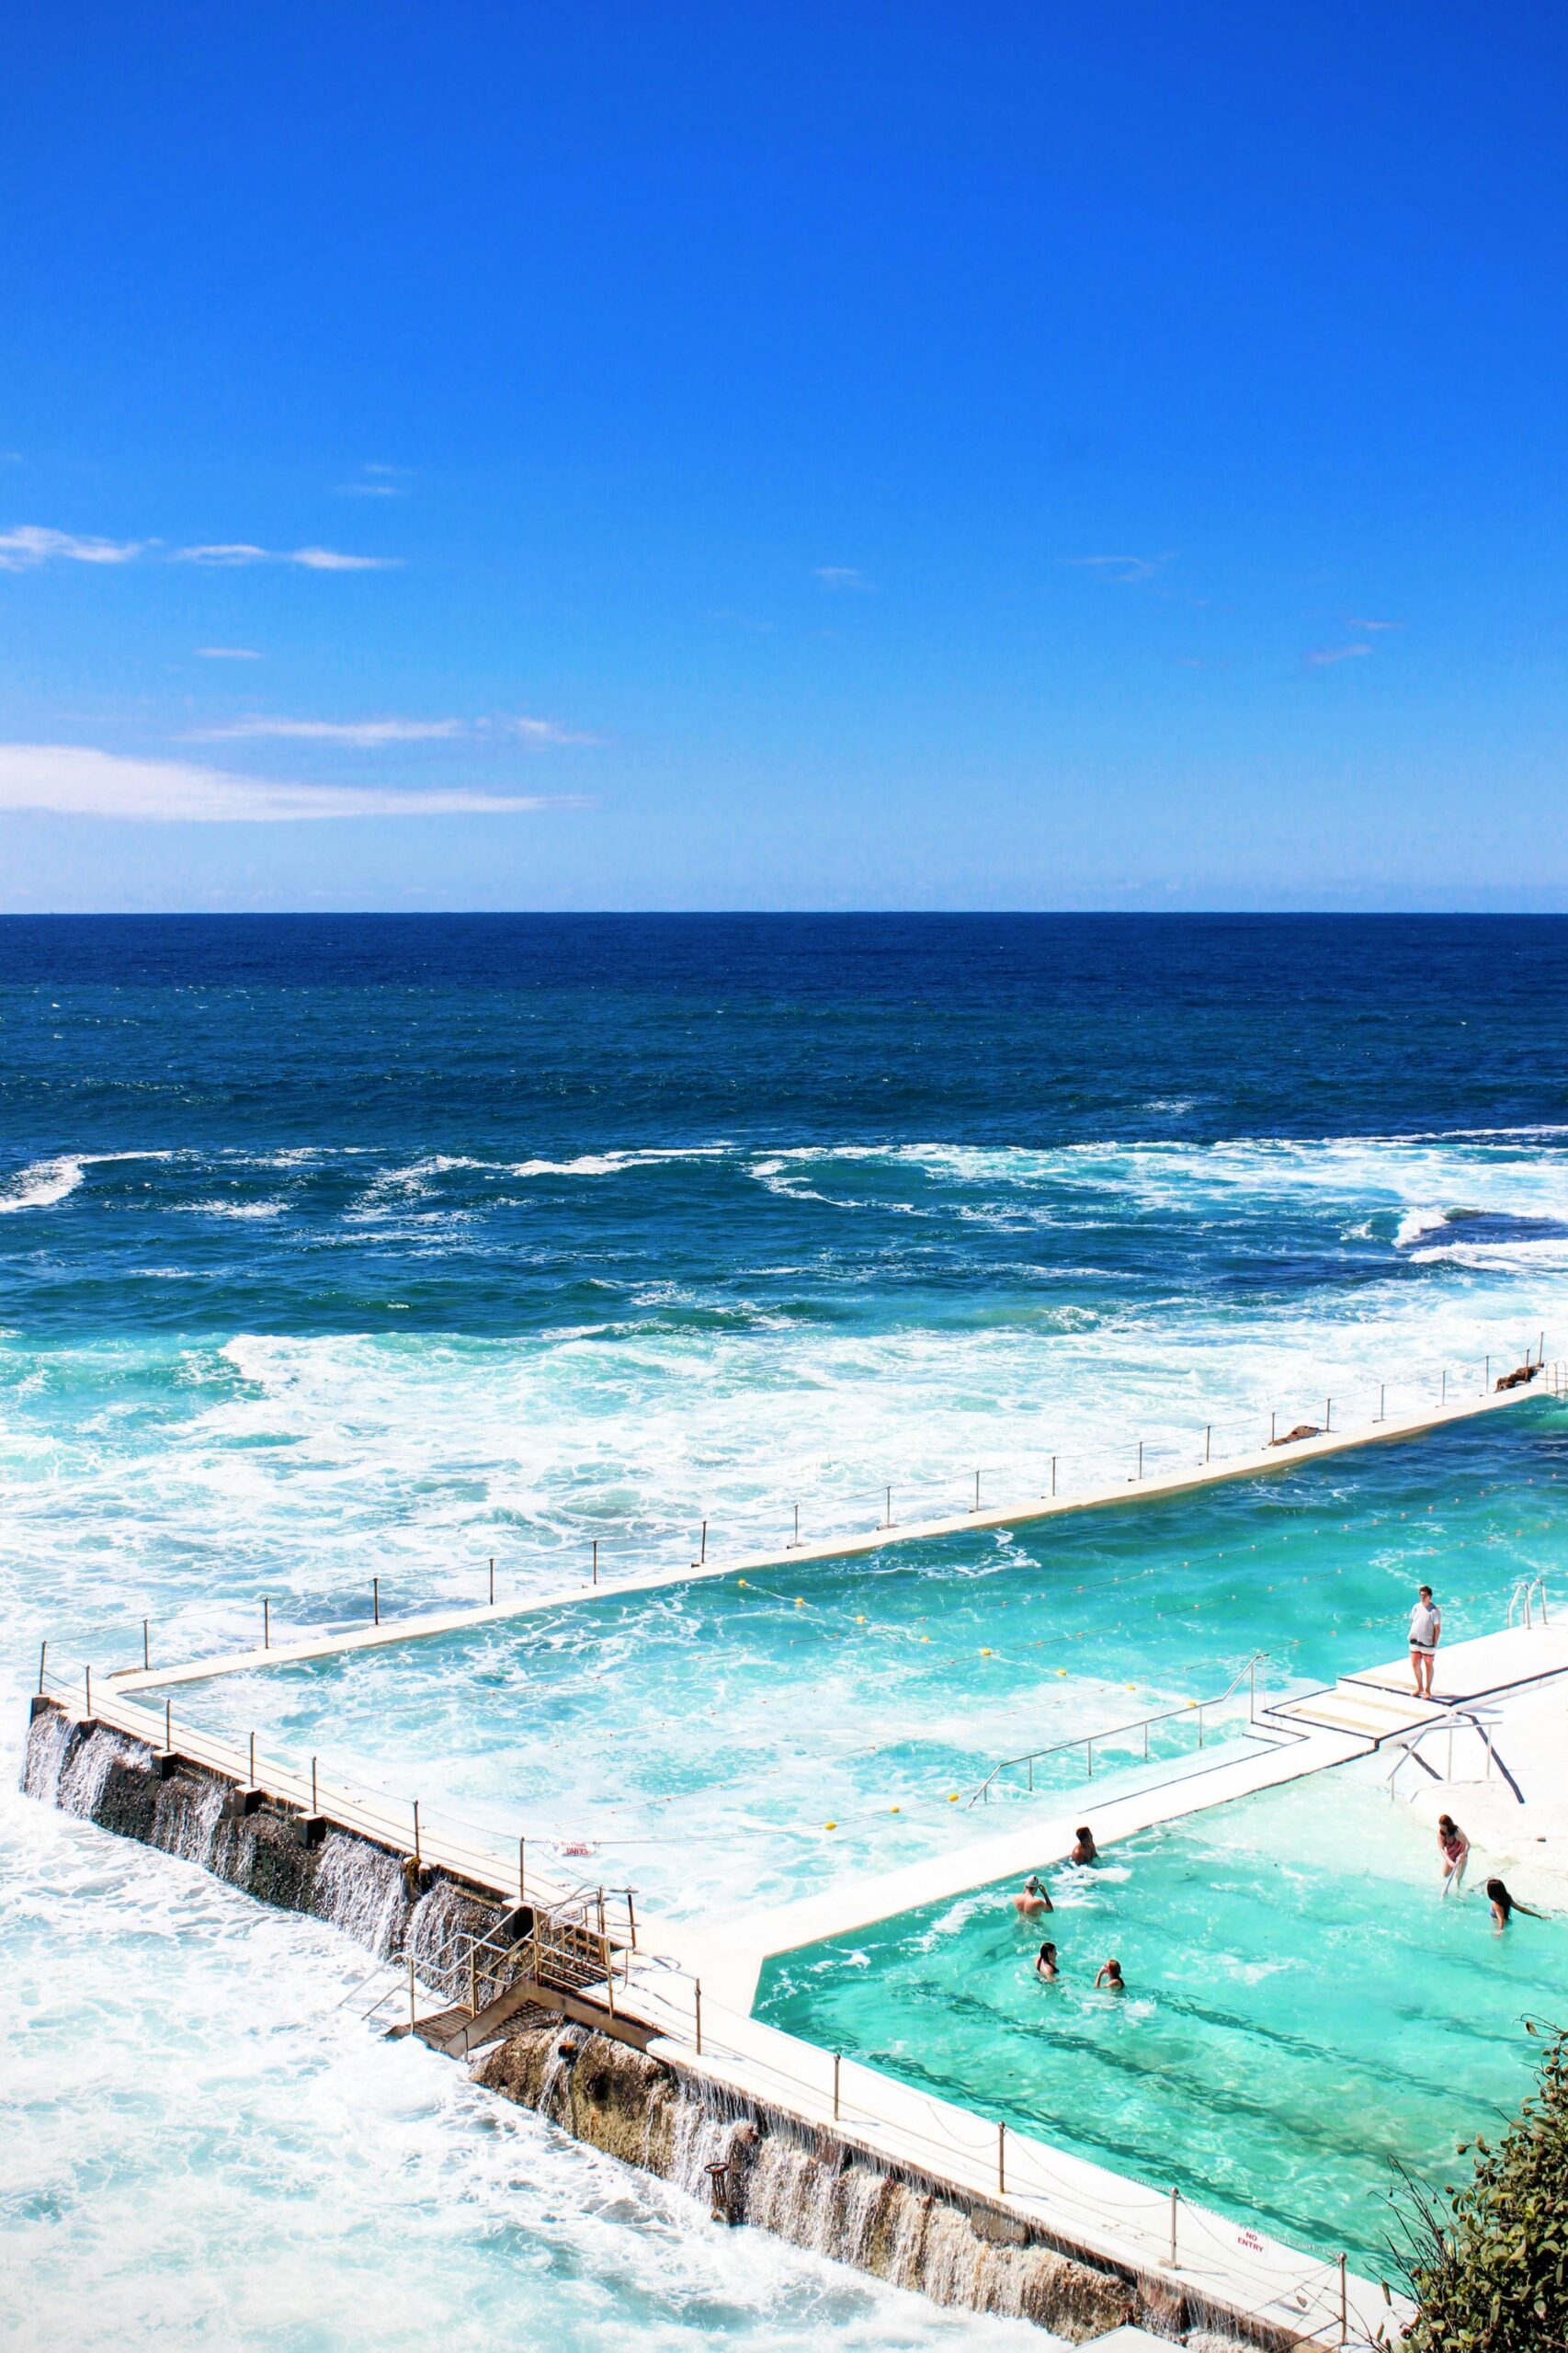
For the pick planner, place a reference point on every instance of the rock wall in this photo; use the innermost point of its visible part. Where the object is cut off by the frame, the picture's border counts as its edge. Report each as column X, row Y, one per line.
column 754, row 2163
column 377, row 1897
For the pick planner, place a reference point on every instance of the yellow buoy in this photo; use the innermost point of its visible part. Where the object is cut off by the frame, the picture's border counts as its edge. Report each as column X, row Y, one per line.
column 985, row 1654
column 798, row 1603
column 830, row 1825
column 953, row 1797
column 893, row 1808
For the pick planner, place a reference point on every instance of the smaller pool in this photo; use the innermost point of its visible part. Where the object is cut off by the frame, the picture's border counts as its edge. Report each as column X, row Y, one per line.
column 1303, row 2013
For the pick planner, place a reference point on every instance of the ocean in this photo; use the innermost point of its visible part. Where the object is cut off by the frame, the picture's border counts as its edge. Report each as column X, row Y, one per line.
column 337, row 1247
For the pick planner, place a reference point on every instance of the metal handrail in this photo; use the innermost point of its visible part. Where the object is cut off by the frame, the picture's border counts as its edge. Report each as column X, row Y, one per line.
column 1409, row 1745
column 1085, row 1741
column 1523, row 1598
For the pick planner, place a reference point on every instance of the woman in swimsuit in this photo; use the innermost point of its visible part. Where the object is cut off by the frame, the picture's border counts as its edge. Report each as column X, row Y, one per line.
column 1111, row 1978
column 1454, row 1847
column 1504, row 1906
column 1045, row 1965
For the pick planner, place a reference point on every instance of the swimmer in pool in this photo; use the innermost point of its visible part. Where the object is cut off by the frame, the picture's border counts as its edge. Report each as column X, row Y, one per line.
column 1033, row 1899
column 1083, row 1847
column 1454, row 1847
column 1111, row 1978
column 1045, row 1964
column 1504, row 1906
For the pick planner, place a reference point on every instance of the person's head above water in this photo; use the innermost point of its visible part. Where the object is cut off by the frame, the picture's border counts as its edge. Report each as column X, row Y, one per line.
column 1032, row 1885
column 1426, row 1592
column 1047, row 1953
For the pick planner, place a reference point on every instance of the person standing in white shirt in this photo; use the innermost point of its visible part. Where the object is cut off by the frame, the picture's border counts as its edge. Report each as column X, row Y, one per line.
column 1426, row 1634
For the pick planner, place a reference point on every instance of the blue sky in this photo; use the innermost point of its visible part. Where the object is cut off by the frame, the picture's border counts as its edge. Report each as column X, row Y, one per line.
column 830, row 457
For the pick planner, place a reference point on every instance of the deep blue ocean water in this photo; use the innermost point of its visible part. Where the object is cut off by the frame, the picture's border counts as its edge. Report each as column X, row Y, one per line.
column 341, row 1246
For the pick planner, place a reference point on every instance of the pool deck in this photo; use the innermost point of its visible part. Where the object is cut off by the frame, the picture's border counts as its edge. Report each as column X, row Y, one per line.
column 430, row 1626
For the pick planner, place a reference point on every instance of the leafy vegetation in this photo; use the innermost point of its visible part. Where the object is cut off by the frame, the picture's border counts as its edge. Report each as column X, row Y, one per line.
column 1488, row 2265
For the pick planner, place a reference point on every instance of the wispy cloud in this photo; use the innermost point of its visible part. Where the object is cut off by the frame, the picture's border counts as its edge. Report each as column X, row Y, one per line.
column 74, row 780
column 27, row 545
column 231, row 553
column 1322, row 655
column 377, row 482
column 536, row 731
column 843, row 575
column 1124, row 570
column 1354, row 625
column 373, row 733
column 31, row 544
column 227, row 653
column 366, row 732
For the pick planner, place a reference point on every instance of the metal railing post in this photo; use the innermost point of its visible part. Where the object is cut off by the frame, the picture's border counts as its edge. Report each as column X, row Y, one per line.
column 1344, row 2306
column 631, row 1919
column 835, row 2063
column 314, row 1807
column 697, row 1982
column 596, row 1560
column 493, row 1580
column 1176, row 2194
column 1207, row 1439
column 522, row 1872
column 168, row 1727
column 43, row 1660
column 266, row 1623
column 146, row 1660
column 701, row 1559
column 1001, row 2161
column 253, row 1761
column 89, row 1675
column 375, row 1601
column 416, row 1834
column 794, row 1543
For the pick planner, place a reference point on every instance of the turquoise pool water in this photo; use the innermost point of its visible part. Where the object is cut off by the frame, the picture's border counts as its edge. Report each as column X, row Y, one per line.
column 697, row 1743
column 1303, row 2013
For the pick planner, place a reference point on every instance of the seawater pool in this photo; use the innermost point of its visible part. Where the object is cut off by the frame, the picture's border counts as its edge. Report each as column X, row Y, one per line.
column 1304, row 2014
column 723, row 1745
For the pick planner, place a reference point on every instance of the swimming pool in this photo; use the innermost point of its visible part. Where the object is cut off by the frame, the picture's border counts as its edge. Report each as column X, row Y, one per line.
column 724, row 1744
column 1303, row 2012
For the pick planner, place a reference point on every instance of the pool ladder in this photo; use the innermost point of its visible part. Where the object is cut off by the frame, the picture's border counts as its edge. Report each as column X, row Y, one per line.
column 1527, row 1593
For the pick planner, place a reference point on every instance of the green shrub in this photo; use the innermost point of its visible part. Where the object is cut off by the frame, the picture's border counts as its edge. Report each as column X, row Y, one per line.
column 1488, row 2265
